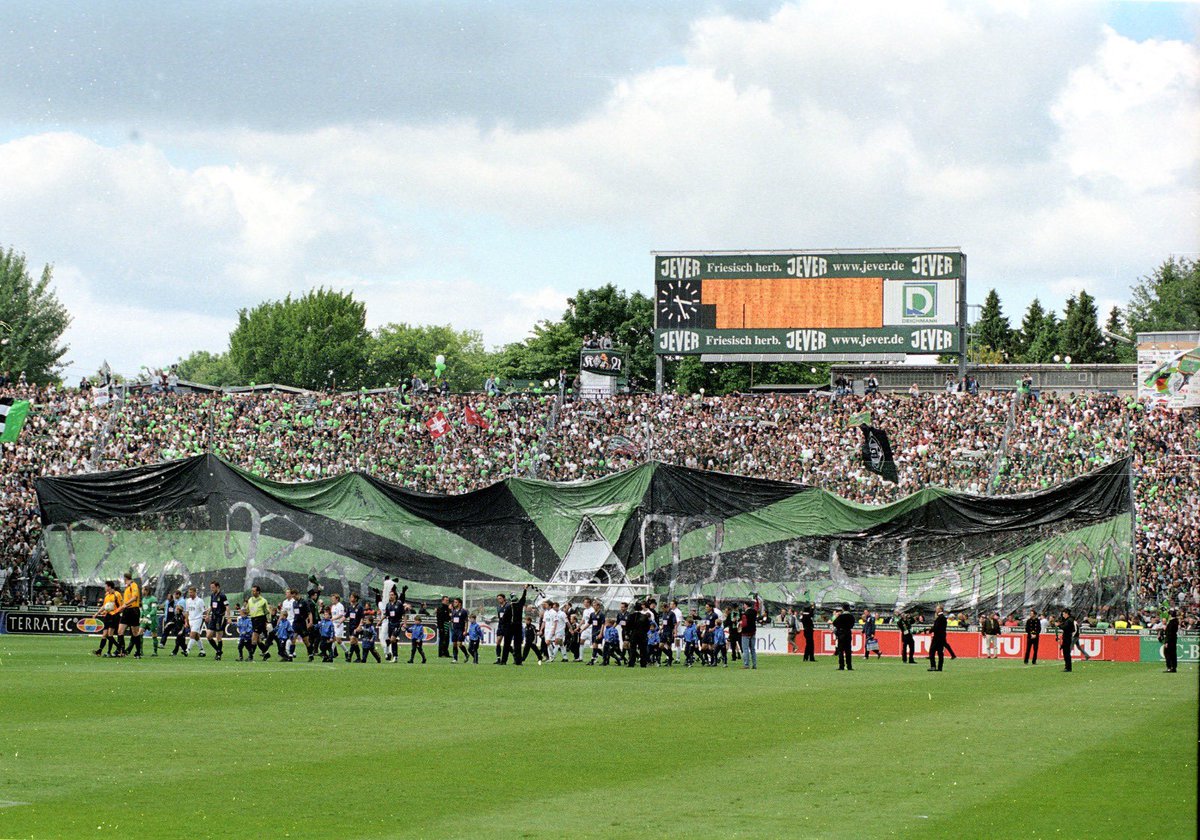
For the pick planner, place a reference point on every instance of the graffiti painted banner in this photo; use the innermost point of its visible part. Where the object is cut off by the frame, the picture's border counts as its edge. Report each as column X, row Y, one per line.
column 688, row 533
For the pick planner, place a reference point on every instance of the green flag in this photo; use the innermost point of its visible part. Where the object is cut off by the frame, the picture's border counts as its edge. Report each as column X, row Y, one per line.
column 12, row 418
column 863, row 418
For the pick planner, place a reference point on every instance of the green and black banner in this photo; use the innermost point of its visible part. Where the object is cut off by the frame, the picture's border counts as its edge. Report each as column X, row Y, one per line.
column 689, row 533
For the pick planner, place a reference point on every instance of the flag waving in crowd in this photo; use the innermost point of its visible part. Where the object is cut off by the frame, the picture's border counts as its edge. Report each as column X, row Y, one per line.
column 877, row 454
column 474, row 418
column 12, row 418
column 438, row 425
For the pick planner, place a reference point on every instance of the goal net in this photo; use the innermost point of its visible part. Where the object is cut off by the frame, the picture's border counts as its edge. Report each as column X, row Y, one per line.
column 479, row 596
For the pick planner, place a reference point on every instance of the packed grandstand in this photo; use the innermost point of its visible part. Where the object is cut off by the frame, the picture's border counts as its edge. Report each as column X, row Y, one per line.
column 991, row 443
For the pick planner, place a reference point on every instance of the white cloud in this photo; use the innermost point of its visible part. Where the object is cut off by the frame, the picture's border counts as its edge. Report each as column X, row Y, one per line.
column 1057, row 153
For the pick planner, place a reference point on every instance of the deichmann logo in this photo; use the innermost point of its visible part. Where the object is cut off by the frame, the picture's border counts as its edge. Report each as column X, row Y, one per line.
column 920, row 301
column 678, row 341
column 932, row 340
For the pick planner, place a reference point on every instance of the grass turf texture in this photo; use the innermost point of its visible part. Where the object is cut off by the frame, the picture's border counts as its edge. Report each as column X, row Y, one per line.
column 984, row 749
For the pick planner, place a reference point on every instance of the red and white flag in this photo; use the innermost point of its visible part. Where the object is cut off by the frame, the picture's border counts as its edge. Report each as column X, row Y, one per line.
column 474, row 418
column 438, row 425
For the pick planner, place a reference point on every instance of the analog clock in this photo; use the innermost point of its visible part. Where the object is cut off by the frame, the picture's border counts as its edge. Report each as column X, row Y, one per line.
column 678, row 301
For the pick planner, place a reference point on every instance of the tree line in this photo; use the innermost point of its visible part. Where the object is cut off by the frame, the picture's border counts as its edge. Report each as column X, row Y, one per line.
column 320, row 340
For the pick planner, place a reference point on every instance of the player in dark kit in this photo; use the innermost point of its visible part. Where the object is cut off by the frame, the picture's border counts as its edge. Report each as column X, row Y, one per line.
column 1033, row 633
column 218, row 607
column 1066, row 627
column 458, row 630
column 596, row 627
column 393, row 613
column 354, row 616
column 442, row 616
column 303, row 622
column 510, row 620
column 843, row 625
column 937, row 644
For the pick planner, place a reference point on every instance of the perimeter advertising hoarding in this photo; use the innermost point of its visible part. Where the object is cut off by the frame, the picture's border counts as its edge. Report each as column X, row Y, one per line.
column 818, row 303
column 969, row 645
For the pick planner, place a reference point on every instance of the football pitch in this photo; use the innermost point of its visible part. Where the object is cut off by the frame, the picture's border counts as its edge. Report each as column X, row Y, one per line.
column 192, row 748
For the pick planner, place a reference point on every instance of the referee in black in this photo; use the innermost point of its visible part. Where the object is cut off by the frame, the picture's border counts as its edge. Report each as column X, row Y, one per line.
column 908, row 647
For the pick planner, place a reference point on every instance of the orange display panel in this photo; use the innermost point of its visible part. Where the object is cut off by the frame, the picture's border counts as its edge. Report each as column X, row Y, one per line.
column 790, row 303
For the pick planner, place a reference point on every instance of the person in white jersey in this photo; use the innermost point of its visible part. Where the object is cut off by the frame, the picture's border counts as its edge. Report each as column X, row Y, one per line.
column 194, row 607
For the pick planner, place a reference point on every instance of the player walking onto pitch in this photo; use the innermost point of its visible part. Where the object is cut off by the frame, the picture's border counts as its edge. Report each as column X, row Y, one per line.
column 193, row 605
column 218, row 606
column 109, row 613
column 131, row 617
column 257, row 608
column 458, row 630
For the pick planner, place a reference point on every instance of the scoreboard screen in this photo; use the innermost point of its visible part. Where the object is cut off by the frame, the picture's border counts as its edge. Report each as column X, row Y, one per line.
column 822, row 303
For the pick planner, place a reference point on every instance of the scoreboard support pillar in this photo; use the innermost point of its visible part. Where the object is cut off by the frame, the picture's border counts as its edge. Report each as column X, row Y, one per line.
column 658, row 374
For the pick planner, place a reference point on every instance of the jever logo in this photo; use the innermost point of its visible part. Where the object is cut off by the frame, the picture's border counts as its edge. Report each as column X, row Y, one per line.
column 805, row 340
column 932, row 265
column 920, row 300
column 932, row 340
column 678, row 341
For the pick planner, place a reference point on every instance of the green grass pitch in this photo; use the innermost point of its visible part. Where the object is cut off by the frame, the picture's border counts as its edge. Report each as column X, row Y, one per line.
column 189, row 748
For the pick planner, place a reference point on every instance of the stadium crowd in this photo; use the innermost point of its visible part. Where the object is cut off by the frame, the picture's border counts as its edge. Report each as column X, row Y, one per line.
column 961, row 440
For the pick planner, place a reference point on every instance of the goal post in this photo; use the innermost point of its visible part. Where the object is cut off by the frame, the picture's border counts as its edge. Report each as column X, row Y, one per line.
column 479, row 596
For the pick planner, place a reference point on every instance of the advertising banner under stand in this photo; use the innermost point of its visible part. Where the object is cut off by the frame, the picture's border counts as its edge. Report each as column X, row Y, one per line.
column 1187, row 649
column 49, row 623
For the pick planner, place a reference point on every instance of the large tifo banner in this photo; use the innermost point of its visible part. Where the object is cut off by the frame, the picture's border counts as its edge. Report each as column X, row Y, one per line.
column 809, row 303
column 688, row 533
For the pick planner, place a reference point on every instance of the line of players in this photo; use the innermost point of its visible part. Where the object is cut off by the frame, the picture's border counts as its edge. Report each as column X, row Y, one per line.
column 641, row 635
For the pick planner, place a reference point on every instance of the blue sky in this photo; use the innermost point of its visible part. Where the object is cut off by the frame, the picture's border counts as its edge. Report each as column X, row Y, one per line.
column 475, row 163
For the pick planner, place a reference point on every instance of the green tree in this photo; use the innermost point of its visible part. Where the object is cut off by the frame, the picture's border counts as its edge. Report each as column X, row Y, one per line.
column 1045, row 341
column 32, row 322
column 397, row 351
column 1031, row 325
column 552, row 346
column 627, row 318
column 208, row 369
column 315, row 341
column 1116, row 351
column 1167, row 299
column 993, row 330
column 1080, row 336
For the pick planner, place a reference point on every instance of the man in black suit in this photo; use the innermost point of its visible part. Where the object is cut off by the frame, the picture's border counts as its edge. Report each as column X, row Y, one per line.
column 508, row 627
column 1170, row 640
column 904, row 624
column 937, row 644
column 442, row 616
column 806, row 624
column 1066, row 627
column 1033, row 632
column 842, row 625
column 637, row 628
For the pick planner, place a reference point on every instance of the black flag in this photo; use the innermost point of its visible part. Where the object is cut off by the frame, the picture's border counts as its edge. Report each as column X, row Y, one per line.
column 877, row 454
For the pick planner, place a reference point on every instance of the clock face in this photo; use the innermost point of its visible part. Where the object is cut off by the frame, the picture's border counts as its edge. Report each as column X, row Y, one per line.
column 678, row 301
